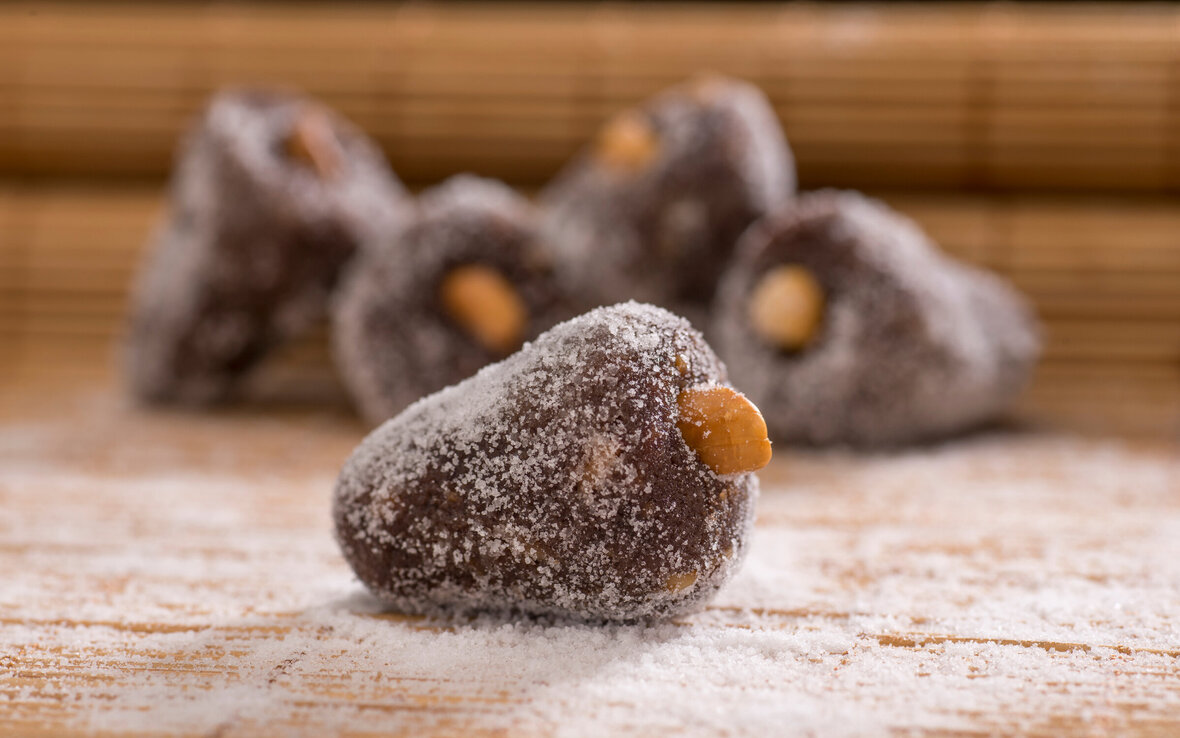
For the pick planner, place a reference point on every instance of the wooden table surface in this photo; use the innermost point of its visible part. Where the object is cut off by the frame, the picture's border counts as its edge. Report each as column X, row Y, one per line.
column 170, row 572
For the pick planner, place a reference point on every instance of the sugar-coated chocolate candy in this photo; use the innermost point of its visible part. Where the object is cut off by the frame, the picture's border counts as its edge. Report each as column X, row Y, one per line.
column 601, row 472
column 653, row 208
column 847, row 325
column 271, row 197
column 464, row 284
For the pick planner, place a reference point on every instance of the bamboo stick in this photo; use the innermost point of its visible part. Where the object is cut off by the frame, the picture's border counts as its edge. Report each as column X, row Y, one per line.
column 1060, row 96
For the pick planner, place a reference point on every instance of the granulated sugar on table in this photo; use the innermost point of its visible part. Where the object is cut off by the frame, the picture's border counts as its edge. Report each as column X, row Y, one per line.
column 179, row 576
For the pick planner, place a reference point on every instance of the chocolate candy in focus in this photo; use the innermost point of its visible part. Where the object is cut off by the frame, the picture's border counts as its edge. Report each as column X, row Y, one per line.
column 601, row 472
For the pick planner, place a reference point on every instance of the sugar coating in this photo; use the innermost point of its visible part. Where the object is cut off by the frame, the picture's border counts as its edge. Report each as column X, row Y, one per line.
column 663, row 233
column 393, row 341
column 252, row 246
column 554, row 482
column 914, row 344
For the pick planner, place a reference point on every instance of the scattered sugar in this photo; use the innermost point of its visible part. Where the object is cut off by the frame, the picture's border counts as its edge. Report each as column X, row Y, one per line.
column 999, row 585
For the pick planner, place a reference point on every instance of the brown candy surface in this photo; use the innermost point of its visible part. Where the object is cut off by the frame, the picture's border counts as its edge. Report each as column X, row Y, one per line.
column 271, row 197
column 907, row 345
column 464, row 284
column 653, row 208
column 558, row 481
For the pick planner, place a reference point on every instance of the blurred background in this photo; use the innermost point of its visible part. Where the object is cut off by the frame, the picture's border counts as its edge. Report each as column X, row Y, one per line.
column 1040, row 140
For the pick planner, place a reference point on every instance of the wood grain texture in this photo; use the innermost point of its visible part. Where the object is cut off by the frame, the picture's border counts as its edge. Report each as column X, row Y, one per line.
column 1058, row 96
column 171, row 573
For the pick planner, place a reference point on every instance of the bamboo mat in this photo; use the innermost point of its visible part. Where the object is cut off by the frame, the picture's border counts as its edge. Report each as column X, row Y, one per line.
column 172, row 574
column 1058, row 96
column 1103, row 272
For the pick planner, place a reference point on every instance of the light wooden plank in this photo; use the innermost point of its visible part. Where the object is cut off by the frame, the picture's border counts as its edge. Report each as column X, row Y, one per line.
column 174, row 573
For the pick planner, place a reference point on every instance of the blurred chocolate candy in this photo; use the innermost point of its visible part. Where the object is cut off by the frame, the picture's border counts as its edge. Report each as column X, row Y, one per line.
column 845, row 324
column 272, row 195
